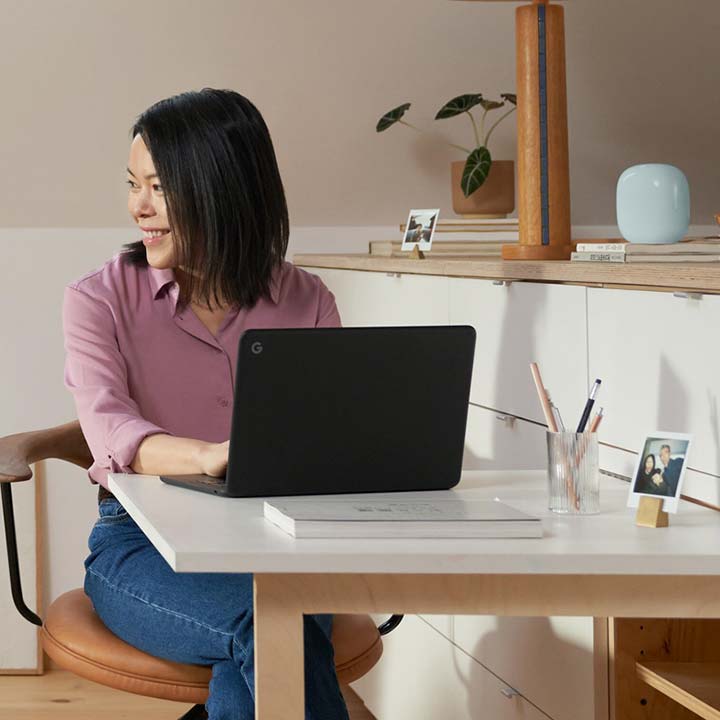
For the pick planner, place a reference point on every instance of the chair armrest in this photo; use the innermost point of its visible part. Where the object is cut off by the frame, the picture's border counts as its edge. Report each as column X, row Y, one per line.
column 63, row 442
column 390, row 624
column 17, row 452
column 12, row 553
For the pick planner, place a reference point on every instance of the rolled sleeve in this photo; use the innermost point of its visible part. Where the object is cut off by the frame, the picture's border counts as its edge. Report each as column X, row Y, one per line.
column 96, row 375
column 328, row 315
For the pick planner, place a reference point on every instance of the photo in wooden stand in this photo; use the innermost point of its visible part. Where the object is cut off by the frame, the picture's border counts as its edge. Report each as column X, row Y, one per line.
column 660, row 469
column 419, row 229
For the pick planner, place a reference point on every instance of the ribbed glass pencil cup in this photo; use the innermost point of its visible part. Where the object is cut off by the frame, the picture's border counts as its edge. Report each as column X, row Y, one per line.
column 573, row 473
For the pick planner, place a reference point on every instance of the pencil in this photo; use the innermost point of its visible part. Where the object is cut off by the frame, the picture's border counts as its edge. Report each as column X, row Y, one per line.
column 596, row 421
column 544, row 402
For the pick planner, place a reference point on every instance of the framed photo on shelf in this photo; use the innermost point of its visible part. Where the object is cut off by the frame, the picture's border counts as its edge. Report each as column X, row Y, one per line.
column 660, row 469
column 419, row 229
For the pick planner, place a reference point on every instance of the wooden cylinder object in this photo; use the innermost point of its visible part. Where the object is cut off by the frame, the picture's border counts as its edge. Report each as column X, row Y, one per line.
column 543, row 167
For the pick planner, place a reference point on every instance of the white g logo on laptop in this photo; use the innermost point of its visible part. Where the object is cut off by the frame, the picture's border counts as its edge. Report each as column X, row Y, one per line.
column 256, row 348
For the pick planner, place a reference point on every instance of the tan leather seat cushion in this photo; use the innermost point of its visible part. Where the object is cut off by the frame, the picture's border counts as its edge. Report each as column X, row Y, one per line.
column 76, row 639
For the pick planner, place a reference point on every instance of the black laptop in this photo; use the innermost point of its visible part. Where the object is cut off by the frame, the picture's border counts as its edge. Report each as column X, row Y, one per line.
column 346, row 410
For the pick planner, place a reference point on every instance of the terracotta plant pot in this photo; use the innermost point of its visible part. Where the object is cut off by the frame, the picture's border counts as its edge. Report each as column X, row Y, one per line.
column 495, row 198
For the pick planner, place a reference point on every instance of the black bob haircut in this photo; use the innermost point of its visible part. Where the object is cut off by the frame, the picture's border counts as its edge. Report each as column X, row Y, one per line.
column 225, row 200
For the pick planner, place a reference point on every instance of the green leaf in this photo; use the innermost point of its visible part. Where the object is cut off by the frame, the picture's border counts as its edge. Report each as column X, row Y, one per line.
column 459, row 104
column 491, row 104
column 476, row 170
column 390, row 118
column 510, row 97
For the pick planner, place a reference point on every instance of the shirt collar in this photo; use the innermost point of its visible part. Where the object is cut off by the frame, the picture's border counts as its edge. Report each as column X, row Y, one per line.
column 160, row 278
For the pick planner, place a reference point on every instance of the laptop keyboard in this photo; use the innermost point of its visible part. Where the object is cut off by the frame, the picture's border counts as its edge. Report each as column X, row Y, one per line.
column 210, row 480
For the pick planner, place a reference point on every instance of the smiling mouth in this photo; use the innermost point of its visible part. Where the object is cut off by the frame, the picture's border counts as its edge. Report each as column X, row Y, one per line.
column 154, row 238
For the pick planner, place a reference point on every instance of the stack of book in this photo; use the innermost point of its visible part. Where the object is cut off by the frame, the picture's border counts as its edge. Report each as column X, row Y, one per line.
column 460, row 237
column 690, row 250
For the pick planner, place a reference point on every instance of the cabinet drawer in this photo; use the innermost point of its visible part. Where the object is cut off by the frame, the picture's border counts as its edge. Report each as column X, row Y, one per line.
column 517, row 324
column 375, row 298
column 548, row 660
column 423, row 676
column 657, row 355
column 494, row 441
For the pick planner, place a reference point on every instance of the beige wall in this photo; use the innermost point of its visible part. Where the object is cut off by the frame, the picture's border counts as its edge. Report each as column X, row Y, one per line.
column 641, row 80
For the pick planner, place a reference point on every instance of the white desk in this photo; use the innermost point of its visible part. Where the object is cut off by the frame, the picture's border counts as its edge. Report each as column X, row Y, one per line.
column 597, row 566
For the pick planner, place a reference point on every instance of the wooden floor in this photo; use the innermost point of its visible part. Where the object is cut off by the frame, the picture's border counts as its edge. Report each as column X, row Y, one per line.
column 59, row 695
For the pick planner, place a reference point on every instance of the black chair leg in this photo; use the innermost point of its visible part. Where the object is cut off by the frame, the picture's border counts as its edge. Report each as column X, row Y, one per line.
column 197, row 712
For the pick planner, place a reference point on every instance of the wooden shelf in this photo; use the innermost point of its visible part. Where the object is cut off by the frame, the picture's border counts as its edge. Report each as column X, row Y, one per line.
column 695, row 686
column 667, row 277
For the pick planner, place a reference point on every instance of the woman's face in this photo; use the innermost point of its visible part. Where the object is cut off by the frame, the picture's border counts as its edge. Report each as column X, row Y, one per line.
column 146, row 203
column 648, row 464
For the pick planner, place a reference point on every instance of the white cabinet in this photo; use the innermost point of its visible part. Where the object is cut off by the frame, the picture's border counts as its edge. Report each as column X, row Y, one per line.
column 517, row 324
column 498, row 441
column 374, row 298
column 422, row 676
column 658, row 357
column 549, row 660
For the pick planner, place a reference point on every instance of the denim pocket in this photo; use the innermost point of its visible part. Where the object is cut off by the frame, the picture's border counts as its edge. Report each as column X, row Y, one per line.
column 111, row 511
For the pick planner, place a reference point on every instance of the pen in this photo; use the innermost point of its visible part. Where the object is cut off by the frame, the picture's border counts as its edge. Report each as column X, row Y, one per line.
column 588, row 406
column 555, row 412
column 544, row 402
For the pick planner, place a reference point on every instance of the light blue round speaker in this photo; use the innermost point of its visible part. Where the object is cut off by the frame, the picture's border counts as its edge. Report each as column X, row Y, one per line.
column 653, row 204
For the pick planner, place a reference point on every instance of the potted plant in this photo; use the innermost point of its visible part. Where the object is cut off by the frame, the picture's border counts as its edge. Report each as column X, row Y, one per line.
column 481, row 186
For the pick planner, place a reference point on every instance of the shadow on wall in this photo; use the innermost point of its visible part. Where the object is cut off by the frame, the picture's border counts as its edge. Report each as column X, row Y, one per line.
column 715, row 428
column 515, row 649
column 672, row 403
column 491, row 443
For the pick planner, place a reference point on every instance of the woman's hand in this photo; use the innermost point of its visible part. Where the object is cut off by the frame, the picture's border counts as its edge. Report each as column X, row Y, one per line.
column 213, row 458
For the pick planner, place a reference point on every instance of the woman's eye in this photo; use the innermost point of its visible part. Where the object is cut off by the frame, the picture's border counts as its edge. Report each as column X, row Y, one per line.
column 157, row 187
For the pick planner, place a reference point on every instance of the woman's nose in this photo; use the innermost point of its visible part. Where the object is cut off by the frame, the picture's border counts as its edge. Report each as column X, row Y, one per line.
column 142, row 204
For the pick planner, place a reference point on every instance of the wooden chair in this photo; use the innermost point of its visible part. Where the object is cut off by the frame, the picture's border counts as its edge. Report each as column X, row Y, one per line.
column 76, row 639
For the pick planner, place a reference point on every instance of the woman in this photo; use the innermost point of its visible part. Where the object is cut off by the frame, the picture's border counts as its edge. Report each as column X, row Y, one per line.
column 151, row 347
column 649, row 479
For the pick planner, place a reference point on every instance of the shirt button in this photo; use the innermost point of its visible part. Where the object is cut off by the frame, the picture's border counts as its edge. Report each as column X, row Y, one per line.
column 223, row 402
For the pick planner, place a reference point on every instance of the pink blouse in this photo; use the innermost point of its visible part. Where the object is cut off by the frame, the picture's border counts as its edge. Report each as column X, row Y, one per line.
column 137, row 366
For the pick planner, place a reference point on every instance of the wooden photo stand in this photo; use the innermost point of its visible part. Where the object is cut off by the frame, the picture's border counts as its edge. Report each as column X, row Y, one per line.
column 416, row 254
column 651, row 514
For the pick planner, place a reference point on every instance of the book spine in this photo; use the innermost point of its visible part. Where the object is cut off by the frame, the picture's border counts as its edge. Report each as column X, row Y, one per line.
column 674, row 258
column 601, row 247
column 611, row 257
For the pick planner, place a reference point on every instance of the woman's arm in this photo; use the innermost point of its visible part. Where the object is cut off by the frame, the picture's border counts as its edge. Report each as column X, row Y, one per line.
column 169, row 455
column 328, row 315
column 119, row 438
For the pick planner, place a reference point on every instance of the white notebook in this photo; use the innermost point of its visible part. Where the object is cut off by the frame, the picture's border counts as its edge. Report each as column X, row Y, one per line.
column 313, row 517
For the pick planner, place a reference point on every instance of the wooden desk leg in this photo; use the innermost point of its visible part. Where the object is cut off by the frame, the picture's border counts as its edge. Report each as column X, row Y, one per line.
column 279, row 653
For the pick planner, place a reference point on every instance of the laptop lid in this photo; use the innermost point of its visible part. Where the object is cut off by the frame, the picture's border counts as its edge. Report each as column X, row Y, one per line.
column 347, row 410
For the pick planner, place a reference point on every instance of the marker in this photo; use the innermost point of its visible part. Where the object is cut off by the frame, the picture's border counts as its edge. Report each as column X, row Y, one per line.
column 588, row 406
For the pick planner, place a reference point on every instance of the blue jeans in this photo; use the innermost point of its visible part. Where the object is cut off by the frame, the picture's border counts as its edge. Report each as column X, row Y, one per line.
column 198, row 618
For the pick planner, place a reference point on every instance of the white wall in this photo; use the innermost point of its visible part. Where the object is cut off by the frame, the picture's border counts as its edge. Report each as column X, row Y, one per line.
column 641, row 78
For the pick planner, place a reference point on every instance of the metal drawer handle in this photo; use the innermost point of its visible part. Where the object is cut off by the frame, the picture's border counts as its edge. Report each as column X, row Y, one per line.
column 509, row 420
column 510, row 693
column 393, row 274
column 506, row 283
column 688, row 295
